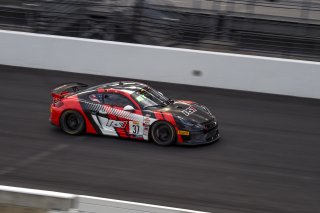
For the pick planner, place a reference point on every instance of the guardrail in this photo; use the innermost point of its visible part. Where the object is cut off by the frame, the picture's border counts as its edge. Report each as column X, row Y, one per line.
column 22, row 200
column 182, row 66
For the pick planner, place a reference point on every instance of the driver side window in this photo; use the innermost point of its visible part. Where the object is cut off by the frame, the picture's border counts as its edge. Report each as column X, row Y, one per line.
column 114, row 99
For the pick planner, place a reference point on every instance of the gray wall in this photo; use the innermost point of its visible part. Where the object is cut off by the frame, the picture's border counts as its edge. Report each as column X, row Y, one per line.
column 229, row 71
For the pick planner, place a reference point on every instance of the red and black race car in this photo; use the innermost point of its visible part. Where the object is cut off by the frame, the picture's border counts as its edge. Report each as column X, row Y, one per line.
column 131, row 110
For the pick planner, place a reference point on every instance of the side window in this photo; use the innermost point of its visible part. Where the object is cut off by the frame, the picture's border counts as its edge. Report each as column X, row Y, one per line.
column 113, row 99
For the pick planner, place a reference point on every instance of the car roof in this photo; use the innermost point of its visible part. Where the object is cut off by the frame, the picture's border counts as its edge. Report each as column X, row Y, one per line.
column 124, row 86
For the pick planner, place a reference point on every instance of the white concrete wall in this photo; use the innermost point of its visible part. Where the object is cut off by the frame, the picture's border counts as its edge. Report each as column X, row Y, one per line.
column 37, row 199
column 103, row 205
column 230, row 71
column 55, row 202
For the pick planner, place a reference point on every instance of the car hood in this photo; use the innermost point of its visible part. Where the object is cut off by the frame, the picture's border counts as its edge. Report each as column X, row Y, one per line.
column 188, row 110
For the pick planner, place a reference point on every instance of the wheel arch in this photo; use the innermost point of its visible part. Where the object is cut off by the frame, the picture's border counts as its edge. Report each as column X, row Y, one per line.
column 83, row 129
column 162, row 121
column 72, row 109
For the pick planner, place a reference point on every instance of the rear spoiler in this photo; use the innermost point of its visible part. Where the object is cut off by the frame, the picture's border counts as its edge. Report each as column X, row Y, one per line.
column 67, row 89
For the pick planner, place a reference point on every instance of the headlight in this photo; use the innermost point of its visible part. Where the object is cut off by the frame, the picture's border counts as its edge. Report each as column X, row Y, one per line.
column 190, row 124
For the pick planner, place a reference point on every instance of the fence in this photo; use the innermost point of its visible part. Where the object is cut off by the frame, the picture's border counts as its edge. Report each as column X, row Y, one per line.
column 279, row 28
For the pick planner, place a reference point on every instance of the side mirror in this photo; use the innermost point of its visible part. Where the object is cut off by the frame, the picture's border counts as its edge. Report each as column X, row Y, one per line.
column 128, row 108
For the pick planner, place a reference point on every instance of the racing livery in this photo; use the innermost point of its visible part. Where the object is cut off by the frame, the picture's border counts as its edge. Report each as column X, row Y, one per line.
column 131, row 110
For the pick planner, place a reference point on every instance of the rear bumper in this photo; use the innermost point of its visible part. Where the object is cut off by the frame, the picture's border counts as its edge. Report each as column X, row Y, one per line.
column 54, row 115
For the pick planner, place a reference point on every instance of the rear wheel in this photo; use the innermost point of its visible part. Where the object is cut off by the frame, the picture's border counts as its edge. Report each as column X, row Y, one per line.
column 163, row 133
column 72, row 122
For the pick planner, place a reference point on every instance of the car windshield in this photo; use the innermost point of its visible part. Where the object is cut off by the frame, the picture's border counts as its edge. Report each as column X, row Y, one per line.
column 149, row 97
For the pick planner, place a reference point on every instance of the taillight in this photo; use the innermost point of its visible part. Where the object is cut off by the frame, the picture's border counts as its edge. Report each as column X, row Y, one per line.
column 58, row 103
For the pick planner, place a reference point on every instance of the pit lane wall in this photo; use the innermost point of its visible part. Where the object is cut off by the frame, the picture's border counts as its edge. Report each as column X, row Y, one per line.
column 192, row 67
column 22, row 200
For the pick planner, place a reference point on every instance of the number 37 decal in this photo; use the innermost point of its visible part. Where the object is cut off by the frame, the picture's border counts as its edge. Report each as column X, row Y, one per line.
column 134, row 128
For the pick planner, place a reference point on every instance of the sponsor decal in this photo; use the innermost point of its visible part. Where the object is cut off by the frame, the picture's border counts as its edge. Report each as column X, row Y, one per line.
column 190, row 110
column 116, row 124
column 145, row 130
column 140, row 98
column 183, row 132
column 147, row 121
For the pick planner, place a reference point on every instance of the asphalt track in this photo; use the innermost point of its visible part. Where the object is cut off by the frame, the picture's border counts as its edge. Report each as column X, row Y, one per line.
column 267, row 161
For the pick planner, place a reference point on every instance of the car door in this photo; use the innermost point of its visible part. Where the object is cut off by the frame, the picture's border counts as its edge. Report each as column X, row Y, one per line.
column 124, row 123
column 97, row 111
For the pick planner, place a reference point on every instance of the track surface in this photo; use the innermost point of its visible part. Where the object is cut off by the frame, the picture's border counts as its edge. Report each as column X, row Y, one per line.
column 267, row 161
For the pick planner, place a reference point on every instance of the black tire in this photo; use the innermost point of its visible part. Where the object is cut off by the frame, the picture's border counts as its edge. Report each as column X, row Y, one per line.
column 163, row 133
column 72, row 122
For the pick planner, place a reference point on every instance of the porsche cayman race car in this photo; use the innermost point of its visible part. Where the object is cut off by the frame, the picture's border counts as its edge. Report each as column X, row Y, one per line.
column 131, row 110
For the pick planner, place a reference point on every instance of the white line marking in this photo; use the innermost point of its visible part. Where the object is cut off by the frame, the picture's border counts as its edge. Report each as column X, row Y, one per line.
column 36, row 192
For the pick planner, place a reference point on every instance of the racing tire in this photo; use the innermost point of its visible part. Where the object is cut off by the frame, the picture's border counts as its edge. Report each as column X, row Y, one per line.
column 163, row 133
column 72, row 122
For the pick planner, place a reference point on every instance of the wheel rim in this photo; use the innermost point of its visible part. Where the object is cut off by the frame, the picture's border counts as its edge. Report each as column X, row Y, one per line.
column 163, row 133
column 73, row 122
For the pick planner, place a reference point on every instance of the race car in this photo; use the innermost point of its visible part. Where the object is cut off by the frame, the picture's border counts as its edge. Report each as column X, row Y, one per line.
column 134, row 110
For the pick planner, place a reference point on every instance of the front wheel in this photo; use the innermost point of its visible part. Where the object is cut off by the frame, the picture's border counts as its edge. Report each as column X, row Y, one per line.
column 72, row 122
column 163, row 133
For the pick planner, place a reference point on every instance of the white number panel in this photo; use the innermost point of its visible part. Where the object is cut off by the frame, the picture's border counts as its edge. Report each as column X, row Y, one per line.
column 135, row 128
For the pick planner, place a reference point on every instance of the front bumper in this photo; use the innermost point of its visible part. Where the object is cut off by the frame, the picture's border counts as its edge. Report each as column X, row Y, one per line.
column 202, row 137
